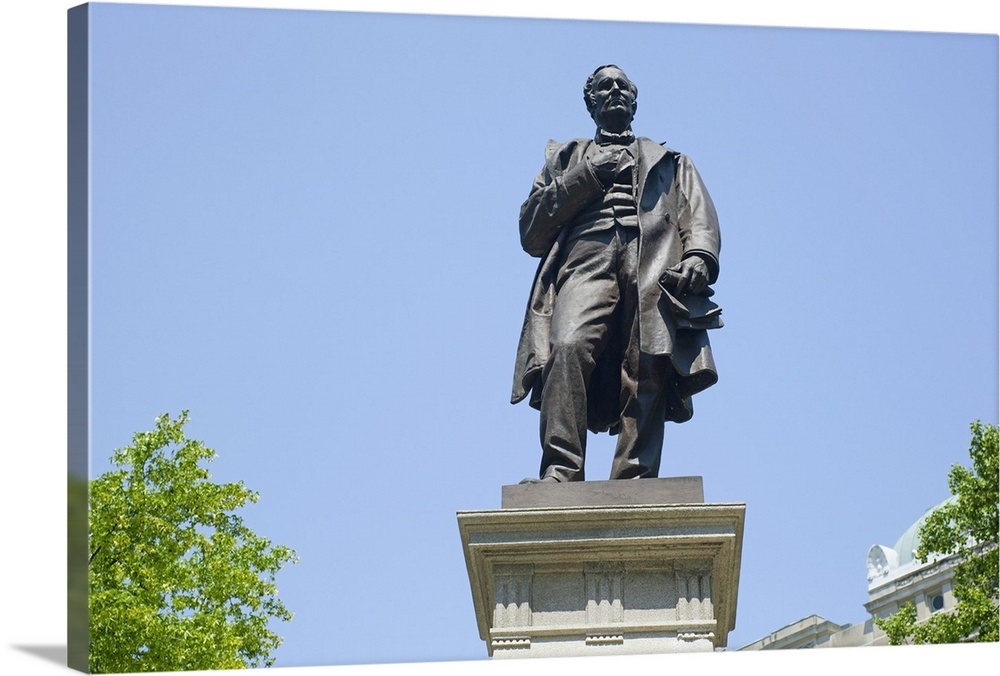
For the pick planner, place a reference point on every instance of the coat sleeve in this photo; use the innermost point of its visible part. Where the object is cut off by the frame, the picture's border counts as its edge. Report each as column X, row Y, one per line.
column 557, row 196
column 697, row 219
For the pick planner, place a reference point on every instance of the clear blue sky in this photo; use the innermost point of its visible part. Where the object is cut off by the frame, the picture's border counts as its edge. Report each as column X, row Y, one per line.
column 304, row 231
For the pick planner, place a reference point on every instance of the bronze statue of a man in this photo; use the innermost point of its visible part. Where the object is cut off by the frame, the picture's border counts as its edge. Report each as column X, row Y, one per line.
column 615, row 332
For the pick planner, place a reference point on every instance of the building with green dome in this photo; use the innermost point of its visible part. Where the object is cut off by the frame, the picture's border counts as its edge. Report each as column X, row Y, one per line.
column 895, row 577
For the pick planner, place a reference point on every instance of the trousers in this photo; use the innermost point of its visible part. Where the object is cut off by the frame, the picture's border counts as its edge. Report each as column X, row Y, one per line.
column 596, row 301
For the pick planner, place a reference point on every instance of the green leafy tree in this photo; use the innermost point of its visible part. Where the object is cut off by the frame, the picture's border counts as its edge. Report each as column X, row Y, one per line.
column 177, row 581
column 967, row 527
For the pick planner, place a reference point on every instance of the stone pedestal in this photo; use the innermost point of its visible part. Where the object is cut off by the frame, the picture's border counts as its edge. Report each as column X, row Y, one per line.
column 641, row 566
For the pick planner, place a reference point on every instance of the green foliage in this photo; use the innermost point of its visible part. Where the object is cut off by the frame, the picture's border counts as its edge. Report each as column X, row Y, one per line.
column 177, row 581
column 967, row 527
column 899, row 626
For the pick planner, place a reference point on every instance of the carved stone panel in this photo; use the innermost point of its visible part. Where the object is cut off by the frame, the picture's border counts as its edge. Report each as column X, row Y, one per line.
column 694, row 591
column 512, row 593
column 604, row 593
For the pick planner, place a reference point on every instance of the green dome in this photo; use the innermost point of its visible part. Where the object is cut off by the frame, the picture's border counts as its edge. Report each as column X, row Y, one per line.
column 906, row 545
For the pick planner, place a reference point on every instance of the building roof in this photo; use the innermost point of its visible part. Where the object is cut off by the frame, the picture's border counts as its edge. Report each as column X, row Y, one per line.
column 906, row 545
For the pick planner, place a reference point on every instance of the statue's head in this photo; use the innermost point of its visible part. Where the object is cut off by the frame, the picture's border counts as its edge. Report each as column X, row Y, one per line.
column 611, row 98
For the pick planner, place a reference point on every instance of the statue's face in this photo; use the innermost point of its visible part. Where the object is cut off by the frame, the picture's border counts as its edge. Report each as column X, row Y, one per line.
column 613, row 100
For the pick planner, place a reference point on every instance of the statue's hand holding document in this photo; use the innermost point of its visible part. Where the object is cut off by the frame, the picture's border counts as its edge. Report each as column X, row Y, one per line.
column 691, row 310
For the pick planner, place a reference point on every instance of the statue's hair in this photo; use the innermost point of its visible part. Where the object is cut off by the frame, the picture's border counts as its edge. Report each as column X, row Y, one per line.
column 588, row 88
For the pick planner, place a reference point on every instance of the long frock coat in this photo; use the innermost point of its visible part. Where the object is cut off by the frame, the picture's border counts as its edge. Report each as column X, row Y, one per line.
column 676, row 219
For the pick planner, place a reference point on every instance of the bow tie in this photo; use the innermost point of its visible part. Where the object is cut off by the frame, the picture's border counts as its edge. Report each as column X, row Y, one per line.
column 605, row 137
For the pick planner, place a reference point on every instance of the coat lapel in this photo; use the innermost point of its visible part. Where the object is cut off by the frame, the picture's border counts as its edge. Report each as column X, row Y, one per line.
column 650, row 154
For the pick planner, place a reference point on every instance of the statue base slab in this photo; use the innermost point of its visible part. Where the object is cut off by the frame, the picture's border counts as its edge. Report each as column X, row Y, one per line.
column 654, row 575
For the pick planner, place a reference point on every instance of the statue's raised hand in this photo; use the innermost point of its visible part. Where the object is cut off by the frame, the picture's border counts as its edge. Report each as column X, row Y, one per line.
column 605, row 164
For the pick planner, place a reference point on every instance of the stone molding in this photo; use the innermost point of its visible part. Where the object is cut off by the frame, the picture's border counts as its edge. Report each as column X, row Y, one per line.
column 603, row 579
